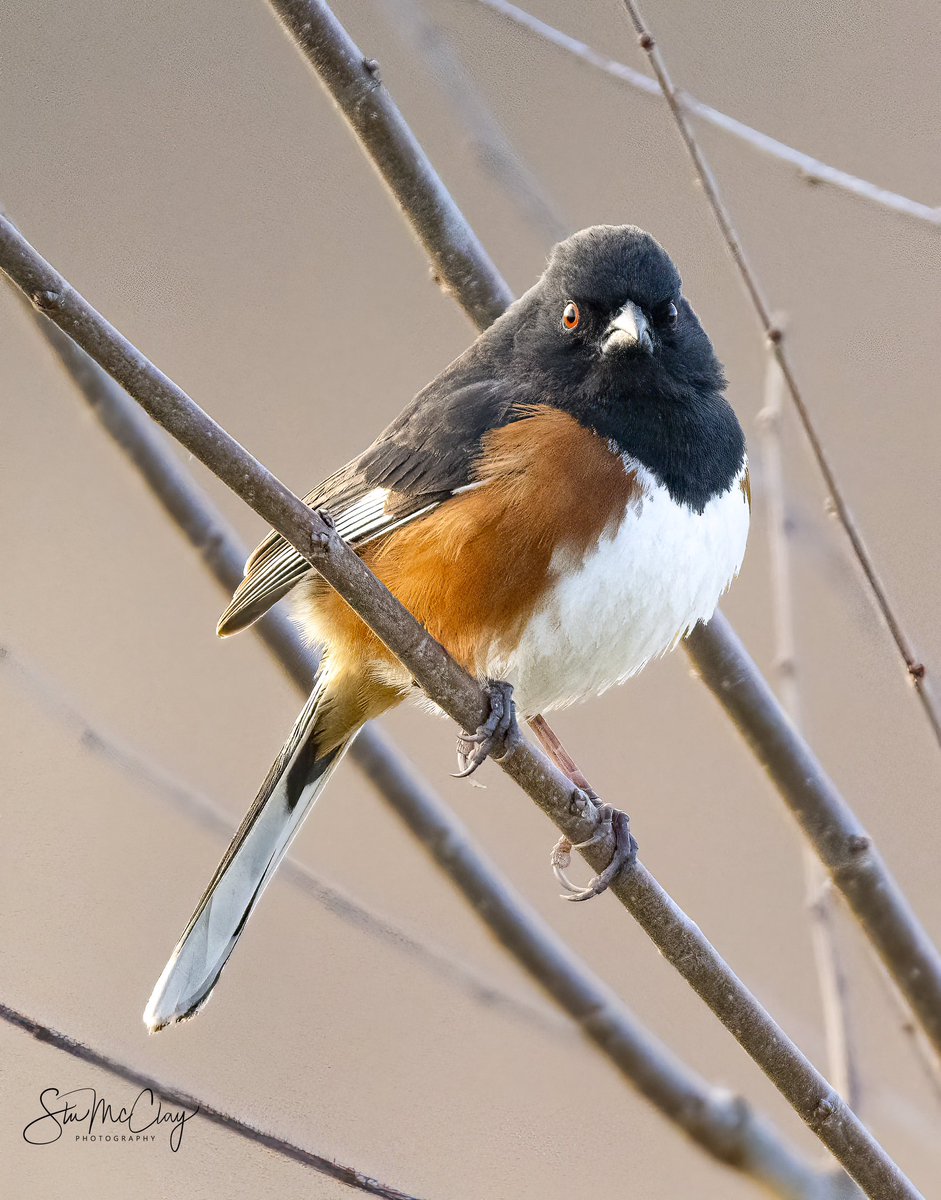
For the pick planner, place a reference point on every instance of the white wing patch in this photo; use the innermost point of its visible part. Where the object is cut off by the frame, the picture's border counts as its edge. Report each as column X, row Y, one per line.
column 275, row 566
column 363, row 515
column 367, row 518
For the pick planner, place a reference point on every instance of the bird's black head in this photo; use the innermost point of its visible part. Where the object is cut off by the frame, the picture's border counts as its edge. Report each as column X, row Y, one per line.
column 608, row 335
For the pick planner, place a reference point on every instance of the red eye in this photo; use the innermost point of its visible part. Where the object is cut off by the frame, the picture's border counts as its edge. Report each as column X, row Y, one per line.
column 570, row 316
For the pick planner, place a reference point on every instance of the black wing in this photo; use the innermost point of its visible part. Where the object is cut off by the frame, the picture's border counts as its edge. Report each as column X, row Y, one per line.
column 426, row 455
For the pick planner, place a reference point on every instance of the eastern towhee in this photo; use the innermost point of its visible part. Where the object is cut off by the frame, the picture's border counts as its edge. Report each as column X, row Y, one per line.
column 562, row 504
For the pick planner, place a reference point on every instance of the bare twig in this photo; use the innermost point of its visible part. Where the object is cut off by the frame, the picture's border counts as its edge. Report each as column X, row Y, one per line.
column 725, row 666
column 679, row 940
column 924, row 1051
column 493, row 150
column 720, row 1123
column 914, row 667
column 832, row 981
column 831, row 973
column 779, row 543
column 207, row 1112
column 811, row 169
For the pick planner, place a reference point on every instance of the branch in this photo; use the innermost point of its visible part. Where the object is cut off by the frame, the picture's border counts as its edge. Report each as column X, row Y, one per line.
column 828, row 959
column 924, row 1051
column 323, row 1166
column 721, row 1124
column 838, row 838
column 811, row 169
column 914, row 667
column 679, row 940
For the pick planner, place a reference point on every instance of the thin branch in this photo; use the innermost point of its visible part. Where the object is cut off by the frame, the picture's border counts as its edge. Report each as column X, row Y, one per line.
column 811, row 169
column 490, row 145
column 723, row 1125
column 718, row 656
column 183, row 1100
column 924, row 1051
column 206, row 813
column 679, row 940
column 833, row 982
column 828, row 958
column 914, row 667
column 779, row 543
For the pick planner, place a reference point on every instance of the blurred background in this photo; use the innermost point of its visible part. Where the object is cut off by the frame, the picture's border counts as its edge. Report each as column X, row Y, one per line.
column 180, row 166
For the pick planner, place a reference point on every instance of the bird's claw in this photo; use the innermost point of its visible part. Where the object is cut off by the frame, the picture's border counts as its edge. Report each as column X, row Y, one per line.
column 473, row 748
column 610, row 820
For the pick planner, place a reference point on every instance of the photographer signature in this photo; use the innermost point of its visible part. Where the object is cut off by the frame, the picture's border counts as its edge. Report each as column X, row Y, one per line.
column 84, row 1109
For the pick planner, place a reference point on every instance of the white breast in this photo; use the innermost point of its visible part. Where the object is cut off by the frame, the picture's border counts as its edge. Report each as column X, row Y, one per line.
column 633, row 598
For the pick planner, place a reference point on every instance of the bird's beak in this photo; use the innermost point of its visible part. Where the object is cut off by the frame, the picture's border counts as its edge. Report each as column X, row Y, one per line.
column 630, row 329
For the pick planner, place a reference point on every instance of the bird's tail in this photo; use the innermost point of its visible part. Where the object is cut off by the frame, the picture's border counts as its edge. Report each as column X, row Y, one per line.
column 294, row 782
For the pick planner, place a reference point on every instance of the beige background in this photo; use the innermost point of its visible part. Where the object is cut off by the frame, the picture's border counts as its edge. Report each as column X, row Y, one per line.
column 180, row 166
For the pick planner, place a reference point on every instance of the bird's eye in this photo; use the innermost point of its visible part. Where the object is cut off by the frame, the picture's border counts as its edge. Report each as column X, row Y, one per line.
column 571, row 316
column 667, row 315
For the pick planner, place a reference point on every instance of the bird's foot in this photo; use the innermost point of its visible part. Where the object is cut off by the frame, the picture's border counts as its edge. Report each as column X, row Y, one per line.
column 608, row 820
column 473, row 748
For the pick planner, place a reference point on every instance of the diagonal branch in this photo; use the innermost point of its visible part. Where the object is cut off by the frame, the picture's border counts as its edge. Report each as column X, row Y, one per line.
column 924, row 1051
column 183, row 1100
column 914, row 667
column 721, row 1124
column 811, row 169
column 678, row 938
column 718, row 656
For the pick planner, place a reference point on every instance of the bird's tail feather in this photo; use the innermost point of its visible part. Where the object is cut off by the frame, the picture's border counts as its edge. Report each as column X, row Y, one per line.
column 294, row 782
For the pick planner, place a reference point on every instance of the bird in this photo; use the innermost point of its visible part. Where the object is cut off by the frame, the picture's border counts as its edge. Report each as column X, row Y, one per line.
column 566, row 501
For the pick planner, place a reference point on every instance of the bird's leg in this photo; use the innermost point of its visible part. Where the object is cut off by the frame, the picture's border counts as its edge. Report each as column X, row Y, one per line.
column 473, row 748
column 549, row 740
column 609, row 820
